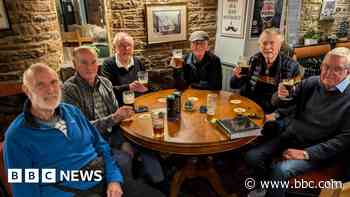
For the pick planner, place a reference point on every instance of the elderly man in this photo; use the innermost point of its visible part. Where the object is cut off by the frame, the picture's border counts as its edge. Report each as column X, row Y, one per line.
column 122, row 68
column 54, row 135
column 200, row 69
column 93, row 94
column 267, row 69
column 319, row 130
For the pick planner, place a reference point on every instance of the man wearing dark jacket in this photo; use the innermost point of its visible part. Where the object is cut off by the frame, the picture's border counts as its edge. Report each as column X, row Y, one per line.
column 201, row 69
column 121, row 69
column 319, row 129
column 267, row 68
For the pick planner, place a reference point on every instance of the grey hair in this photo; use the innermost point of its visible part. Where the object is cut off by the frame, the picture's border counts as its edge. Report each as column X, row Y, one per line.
column 119, row 37
column 77, row 51
column 342, row 52
column 270, row 31
column 32, row 70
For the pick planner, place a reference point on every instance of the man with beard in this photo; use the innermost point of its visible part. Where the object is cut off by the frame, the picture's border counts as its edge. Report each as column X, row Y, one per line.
column 54, row 135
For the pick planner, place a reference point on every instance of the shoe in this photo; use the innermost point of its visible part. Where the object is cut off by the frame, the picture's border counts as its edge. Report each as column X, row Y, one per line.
column 257, row 193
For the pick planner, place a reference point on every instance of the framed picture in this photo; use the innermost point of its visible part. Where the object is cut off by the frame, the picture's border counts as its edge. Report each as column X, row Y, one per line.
column 166, row 23
column 233, row 18
column 267, row 14
column 327, row 10
column 4, row 20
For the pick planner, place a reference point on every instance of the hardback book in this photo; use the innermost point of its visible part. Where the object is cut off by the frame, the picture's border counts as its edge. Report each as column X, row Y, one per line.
column 239, row 127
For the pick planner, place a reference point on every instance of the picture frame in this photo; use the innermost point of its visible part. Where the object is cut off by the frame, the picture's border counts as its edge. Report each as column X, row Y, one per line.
column 327, row 10
column 267, row 14
column 233, row 16
column 166, row 22
column 4, row 19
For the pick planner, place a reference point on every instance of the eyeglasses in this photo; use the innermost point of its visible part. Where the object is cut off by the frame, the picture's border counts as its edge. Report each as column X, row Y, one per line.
column 332, row 68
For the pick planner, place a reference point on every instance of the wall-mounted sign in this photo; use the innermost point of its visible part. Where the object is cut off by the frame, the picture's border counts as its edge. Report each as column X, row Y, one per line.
column 327, row 10
column 233, row 18
column 266, row 14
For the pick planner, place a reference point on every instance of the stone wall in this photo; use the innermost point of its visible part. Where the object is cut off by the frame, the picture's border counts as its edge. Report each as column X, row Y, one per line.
column 129, row 16
column 34, row 37
column 310, row 14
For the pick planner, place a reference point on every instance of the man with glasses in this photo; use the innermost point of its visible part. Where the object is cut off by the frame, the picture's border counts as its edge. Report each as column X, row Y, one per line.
column 319, row 131
column 201, row 68
column 267, row 68
column 122, row 68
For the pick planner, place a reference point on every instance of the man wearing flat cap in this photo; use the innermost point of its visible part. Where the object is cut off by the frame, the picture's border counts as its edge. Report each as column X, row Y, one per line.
column 200, row 69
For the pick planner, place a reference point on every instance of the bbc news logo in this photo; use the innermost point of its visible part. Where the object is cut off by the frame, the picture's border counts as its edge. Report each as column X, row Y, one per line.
column 50, row 175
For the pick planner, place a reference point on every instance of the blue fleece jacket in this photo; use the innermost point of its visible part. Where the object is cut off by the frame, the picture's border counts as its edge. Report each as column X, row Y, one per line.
column 32, row 145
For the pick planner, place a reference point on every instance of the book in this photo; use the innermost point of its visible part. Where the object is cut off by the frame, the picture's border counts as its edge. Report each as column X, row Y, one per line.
column 239, row 127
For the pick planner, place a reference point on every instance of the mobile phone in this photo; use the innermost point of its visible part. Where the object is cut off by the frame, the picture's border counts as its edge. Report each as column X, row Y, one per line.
column 141, row 109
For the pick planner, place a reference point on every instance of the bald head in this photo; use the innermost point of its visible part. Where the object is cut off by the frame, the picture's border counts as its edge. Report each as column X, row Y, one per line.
column 34, row 69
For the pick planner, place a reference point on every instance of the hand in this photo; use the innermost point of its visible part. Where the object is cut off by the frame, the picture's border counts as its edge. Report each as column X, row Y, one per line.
column 114, row 190
column 282, row 91
column 294, row 154
column 176, row 63
column 123, row 113
column 237, row 72
column 136, row 86
column 270, row 117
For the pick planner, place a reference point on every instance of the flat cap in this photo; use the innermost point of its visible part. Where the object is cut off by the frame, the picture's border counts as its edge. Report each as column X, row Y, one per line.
column 199, row 36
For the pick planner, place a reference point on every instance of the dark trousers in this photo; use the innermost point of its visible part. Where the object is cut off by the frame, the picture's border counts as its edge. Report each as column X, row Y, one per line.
column 260, row 159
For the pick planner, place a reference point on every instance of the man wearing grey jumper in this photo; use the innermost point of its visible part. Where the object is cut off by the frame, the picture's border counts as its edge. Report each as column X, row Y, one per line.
column 319, row 129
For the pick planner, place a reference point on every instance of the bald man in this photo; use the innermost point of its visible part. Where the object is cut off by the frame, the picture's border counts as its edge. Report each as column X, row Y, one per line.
column 54, row 135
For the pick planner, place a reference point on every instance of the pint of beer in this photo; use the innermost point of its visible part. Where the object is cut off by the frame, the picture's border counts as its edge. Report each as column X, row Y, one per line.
column 243, row 64
column 142, row 77
column 177, row 57
column 158, row 118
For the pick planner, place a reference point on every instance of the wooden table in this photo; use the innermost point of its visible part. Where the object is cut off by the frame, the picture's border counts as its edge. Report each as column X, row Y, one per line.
column 193, row 135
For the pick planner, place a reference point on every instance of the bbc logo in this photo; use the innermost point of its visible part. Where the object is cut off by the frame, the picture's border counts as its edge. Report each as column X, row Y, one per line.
column 31, row 175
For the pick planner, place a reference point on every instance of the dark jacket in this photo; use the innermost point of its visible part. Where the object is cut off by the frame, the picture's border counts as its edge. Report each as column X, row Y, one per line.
column 205, row 74
column 320, row 120
column 253, row 85
column 120, row 77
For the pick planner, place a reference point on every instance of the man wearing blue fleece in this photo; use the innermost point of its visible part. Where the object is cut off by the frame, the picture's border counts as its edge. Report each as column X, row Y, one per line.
column 54, row 135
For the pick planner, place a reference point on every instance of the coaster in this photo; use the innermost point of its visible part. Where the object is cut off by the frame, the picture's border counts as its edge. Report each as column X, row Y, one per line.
column 161, row 100
column 239, row 110
column 193, row 98
column 235, row 101
column 144, row 116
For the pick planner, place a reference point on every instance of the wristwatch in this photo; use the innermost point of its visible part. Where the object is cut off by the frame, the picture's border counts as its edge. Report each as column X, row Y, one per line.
column 306, row 155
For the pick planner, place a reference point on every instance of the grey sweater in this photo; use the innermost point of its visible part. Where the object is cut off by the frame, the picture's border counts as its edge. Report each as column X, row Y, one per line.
column 320, row 122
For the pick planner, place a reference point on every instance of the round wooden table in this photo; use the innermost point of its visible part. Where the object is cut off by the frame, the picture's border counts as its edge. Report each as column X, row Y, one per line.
column 193, row 134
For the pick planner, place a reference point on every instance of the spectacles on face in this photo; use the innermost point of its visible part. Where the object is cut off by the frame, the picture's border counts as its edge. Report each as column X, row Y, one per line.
column 41, row 85
column 333, row 69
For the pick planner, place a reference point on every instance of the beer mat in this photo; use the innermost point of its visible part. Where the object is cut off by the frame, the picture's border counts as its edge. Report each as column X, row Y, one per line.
column 193, row 98
column 144, row 116
column 161, row 100
column 235, row 101
column 239, row 110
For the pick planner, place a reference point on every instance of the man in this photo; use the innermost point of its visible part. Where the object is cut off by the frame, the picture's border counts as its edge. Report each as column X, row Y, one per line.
column 93, row 94
column 122, row 68
column 319, row 130
column 200, row 69
column 267, row 69
column 54, row 135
